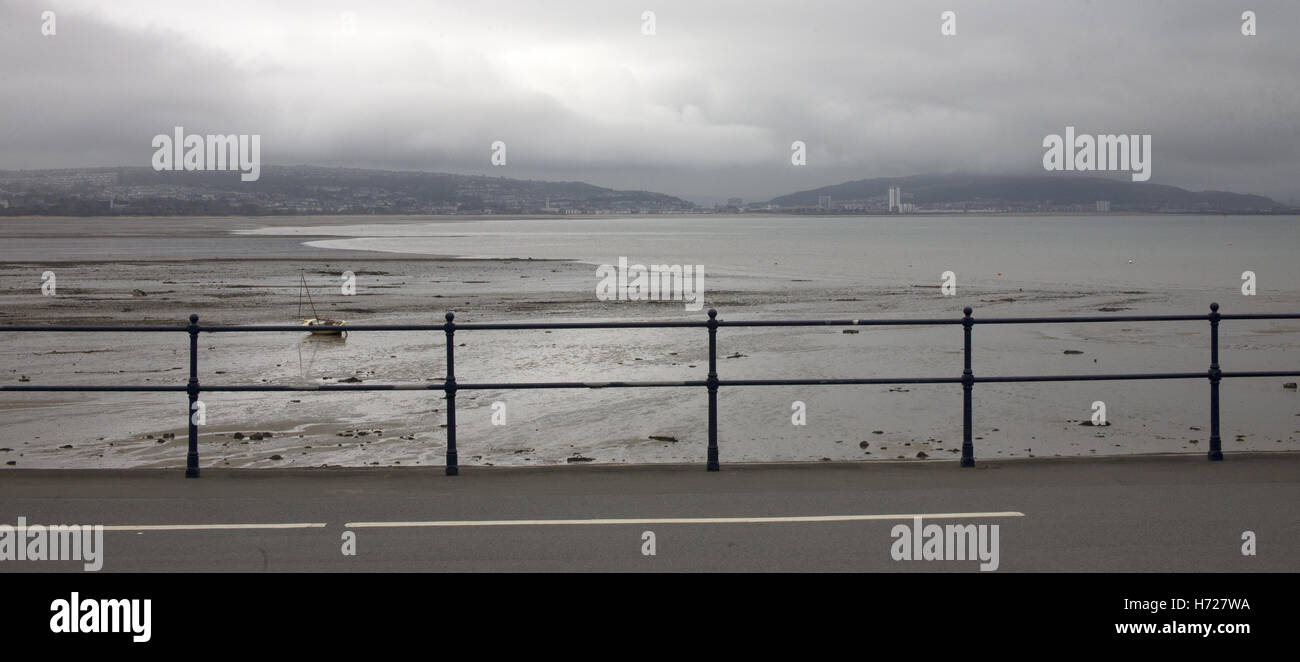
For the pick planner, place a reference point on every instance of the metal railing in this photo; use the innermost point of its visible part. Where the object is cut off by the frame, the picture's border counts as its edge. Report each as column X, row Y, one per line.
column 712, row 383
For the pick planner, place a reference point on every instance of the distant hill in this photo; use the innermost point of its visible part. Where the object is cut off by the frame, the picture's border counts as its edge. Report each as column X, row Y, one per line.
column 1032, row 192
column 307, row 189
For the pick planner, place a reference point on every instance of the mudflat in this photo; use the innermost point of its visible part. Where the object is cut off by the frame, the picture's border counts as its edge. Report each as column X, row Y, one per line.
column 159, row 271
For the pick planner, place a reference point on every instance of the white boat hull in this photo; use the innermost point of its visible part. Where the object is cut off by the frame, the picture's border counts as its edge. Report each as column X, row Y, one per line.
column 319, row 327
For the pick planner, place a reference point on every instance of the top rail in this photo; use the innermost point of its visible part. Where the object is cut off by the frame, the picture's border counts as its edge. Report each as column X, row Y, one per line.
column 500, row 326
column 94, row 328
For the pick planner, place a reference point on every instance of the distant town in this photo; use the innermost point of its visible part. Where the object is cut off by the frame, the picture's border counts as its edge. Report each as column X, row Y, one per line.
column 305, row 190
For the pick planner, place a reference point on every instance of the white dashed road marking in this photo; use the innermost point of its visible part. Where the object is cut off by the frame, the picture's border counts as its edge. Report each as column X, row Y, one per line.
column 682, row 520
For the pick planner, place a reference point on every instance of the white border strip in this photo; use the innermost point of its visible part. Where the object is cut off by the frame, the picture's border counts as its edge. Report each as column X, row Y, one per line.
column 679, row 520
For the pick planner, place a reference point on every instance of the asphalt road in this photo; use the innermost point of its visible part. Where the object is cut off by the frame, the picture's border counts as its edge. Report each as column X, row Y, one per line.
column 1152, row 513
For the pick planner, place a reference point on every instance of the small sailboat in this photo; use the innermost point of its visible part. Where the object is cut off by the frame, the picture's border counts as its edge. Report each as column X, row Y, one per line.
column 319, row 326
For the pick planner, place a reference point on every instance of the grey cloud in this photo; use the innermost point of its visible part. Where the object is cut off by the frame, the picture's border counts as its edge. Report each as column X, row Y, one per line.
column 705, row 109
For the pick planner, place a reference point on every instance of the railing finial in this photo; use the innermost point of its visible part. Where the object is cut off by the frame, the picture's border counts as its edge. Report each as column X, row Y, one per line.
column 450, row 316
column 1214, row 307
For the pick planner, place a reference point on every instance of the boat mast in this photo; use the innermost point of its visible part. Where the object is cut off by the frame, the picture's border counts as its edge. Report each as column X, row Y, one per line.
column 309, row 301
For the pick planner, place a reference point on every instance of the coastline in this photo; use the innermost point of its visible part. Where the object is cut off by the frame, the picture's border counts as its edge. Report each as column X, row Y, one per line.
column 315, row 429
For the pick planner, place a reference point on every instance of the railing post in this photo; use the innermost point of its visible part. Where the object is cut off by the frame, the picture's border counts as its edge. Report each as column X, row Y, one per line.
column 712, row 464
column 1216, row 444
column 967, row 383
column 449, row 387
column 192, row 388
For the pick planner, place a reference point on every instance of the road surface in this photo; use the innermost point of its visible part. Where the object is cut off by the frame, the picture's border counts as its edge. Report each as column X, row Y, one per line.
column 1143, row 513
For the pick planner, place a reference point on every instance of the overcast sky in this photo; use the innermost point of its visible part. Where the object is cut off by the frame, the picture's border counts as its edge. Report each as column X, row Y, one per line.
column 706, row 108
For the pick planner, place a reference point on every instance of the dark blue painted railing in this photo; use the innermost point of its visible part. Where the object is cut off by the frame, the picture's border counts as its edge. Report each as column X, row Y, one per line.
column 712, row 383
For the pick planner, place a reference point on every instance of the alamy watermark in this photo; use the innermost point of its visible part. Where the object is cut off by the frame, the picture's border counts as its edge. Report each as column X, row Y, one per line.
column 1102, row 152
column 77, row 614
column 657, row 282
column 951, row 542
column 211, row 152
column 56, row 542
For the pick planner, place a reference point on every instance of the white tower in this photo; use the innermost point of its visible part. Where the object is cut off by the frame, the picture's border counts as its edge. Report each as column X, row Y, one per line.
column 896, row 198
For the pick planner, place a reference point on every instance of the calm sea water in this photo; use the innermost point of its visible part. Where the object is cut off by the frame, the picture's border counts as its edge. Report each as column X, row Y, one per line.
column 1204, row 253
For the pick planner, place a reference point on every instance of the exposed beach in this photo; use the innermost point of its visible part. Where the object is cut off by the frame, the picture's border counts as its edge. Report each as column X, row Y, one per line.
column 246, row 271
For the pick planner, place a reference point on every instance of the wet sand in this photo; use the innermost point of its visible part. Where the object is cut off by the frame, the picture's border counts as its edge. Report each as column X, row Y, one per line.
column 183, row 266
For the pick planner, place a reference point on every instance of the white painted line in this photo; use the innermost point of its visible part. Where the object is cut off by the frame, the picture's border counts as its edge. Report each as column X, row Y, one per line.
column 200, row 527
column 214, row 527
column 680, row 520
